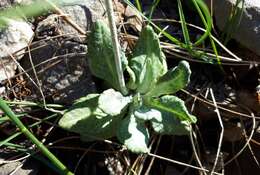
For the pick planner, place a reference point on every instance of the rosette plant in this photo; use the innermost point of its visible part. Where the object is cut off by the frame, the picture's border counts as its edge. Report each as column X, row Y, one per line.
column 149, row 103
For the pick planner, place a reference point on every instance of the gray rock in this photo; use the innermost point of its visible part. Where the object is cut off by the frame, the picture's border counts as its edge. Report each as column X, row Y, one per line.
column 82, row 12
column 67, row 78
column 248, row 31
column 13, row 41
column 5, row 4
column 9, row 3
column 19, row 168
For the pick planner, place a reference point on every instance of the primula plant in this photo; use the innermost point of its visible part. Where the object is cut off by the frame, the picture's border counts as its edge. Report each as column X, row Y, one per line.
column 149, row 101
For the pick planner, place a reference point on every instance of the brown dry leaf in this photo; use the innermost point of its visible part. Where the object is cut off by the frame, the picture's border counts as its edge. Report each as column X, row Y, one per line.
column 133, row 18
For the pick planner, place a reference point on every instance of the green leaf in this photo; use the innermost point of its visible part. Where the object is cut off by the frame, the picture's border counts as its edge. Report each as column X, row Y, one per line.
column 101, row 55
column 168, row 124
column 86, row 119
column 174, row 105
column 163, row 122
column 148, row 61
column 133, row 134
column 113, row 102
column 145, row 113
column 174, row 80
column 131, row 84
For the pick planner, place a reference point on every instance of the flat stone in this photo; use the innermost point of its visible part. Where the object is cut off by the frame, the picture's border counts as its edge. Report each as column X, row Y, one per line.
column 14, row 40
column 248, row 31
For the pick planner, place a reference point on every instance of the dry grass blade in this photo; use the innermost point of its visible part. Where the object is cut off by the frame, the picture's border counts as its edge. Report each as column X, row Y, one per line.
column 153, row 158
column 195, row 152
column 116, row 46
column 249, row 145
column 221, row 133
column 247, row 142
column 181, row 163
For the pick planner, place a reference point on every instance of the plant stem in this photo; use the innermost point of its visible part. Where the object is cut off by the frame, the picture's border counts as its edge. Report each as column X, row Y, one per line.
column 5, row 108
column 138, row 4
column 116, row 46
column 29, row 103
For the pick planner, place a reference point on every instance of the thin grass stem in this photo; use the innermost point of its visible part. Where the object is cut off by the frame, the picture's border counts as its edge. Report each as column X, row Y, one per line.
column 138, row 5
column 5, row 108
column 184, row 26
column 116, row 46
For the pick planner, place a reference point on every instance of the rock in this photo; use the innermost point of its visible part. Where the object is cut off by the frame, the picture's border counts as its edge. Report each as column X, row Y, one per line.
column 24, row 2
column 9, row 3
column 248, row 31
column 65, row 79
column 5, row 4
column 13, row 168
column 82, row 12
column 13, row 41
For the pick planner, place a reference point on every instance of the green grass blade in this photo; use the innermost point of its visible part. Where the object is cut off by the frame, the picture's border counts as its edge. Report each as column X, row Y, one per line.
column 166, row 34
column 4, row 119
column 29, row 103
column 207, row 21
column 138, row 5
column 33, row 154
column 184, row 26
column 3, row 142
column 208, row 25
column 15, row 146
column 202, row 8
column 5, row 108
column 154, row 5
column 233, row 21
